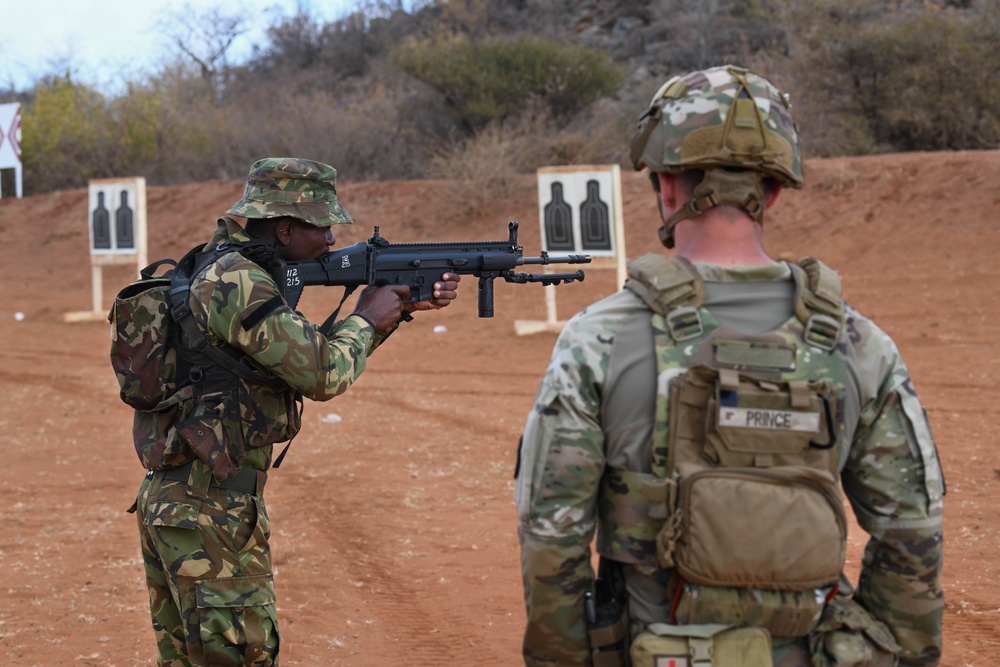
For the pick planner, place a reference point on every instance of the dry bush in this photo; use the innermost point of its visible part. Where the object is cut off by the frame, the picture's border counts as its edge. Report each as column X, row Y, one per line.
column 837, row 176
column 598, row 136
column 487, row 167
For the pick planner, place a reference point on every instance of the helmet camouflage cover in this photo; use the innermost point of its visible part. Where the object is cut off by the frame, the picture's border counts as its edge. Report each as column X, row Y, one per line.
column 719, row 117
column 282, row 186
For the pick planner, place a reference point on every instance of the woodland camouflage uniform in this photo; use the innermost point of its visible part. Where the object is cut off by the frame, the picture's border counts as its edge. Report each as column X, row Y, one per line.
column 205, row 546
column 597, row 432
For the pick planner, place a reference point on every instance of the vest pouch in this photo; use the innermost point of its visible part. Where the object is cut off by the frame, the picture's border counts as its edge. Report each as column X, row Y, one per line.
column 141, row 357
column 763, row 424
column 205, row 432
column 267, row 415
column 782, row 613
column 154, row 435
column 789, row 533
column 663, row 645
column 850, row 636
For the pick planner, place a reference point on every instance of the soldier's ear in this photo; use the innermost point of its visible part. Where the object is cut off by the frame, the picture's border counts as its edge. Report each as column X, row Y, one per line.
column 773, row 192
column 283, row 231
column 669, row 191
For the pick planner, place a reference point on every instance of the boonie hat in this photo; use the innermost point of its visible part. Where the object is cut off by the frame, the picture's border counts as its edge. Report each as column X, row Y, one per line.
column 303, row 189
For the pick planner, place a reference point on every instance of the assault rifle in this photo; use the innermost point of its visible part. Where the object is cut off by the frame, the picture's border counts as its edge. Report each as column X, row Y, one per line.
column 420, row 265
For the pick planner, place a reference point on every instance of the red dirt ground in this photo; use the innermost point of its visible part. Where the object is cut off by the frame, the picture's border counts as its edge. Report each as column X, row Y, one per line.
column 394, row 529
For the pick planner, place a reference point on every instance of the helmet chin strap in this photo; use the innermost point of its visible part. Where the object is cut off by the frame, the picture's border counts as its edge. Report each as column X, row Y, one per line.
column 742, row 188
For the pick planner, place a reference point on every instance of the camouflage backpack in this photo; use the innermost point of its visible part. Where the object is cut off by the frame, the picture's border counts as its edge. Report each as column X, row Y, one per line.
column 165, row 364
column 155, row 342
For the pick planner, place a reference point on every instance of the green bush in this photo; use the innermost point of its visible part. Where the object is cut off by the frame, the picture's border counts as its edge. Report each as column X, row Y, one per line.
column 937, row 89
column 495, row 79
column 872, row 80
column 72, row 134
column 66, row 136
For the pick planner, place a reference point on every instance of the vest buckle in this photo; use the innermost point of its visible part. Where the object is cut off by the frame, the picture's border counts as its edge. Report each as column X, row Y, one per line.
column 684, row 323
column 822, row 331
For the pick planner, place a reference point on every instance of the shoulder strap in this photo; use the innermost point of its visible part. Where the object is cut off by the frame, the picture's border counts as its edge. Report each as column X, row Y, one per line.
column 671, row 287
column 197, row 341
column 819, row 303
column 665, row 282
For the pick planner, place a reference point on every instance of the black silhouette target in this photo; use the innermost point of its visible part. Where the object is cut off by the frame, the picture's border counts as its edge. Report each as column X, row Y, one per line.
column 595, row 219
column 558, row 220
column 125, row 223
column 114, row 216
column 577, row 209
column 100, row 223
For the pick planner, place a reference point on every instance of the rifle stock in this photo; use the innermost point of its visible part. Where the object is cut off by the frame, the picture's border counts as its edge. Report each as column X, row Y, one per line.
column 420, row 265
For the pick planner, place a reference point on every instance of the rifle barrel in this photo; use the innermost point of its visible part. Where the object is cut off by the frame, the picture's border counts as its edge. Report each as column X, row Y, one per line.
column 556, row 259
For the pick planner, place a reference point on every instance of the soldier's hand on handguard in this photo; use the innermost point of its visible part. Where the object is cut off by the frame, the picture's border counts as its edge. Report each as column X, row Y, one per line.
column 445, row 292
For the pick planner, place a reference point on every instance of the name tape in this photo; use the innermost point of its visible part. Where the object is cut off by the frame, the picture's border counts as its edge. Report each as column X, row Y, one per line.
column 774, row 420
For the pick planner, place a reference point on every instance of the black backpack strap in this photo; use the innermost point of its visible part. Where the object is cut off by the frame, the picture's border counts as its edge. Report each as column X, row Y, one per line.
column 327, row 325
column 195, row 341
column 150, row 271
column 281, row 456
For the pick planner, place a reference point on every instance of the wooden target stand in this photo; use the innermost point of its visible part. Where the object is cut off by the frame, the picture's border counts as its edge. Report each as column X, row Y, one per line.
column 116, row 219
column 580, row 211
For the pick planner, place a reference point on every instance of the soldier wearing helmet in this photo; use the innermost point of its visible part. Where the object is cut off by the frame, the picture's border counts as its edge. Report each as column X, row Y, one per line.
column 700, row 428
column 202, row 520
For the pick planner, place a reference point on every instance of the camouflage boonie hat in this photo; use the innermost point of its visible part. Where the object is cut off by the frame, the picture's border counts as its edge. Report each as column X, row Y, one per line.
column 303, row 189
column 719, row 117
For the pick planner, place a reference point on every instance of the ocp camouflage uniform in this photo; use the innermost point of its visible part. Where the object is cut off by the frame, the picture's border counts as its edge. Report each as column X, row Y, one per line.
column 595, row 426
column 205, row 546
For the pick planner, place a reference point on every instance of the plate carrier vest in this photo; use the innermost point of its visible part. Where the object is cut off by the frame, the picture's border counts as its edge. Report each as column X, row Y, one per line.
column 742, row 507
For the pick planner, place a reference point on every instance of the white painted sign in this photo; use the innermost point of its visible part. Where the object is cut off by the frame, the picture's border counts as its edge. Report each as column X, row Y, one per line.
column 10, row 142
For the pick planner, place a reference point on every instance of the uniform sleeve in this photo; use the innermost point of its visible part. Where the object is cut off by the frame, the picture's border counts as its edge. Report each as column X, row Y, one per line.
column 561, row 462
column 894, row 483
column 246, row 311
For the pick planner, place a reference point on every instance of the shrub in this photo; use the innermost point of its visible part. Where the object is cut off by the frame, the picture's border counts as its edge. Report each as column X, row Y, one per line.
column 495, row 79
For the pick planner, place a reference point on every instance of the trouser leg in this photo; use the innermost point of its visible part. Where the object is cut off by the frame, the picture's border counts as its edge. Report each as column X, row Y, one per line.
column 208, row 569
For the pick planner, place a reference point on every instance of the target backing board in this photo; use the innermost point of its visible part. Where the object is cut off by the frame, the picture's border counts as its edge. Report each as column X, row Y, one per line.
column 579, row 209
column 580, row 213
column 116, row 216
column 116, row 229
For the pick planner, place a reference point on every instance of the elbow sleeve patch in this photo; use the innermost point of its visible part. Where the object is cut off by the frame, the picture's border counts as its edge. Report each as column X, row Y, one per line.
column 933, row 475
column 265, row 309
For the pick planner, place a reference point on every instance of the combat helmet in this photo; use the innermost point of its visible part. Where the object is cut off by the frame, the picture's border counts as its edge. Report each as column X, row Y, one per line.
column 734, row 125
column 284, row 186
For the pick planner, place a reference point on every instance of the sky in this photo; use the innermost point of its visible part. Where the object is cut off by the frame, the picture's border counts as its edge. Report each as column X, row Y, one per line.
column 106, row 42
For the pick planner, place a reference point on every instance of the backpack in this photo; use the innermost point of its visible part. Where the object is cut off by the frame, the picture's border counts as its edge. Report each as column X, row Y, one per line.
column 155, row 341
column 164, row 362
